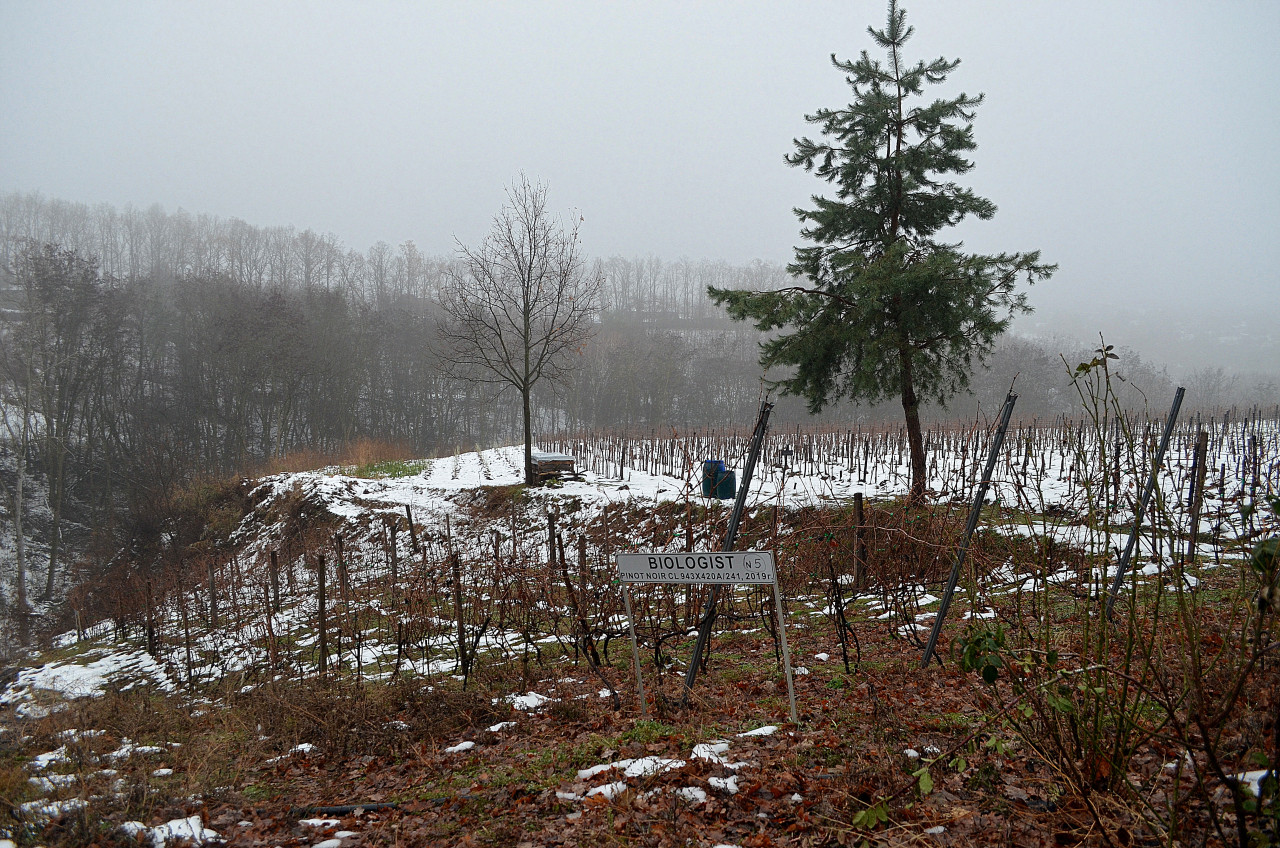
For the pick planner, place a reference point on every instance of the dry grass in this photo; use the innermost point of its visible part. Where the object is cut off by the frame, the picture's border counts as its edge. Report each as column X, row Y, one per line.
column 342, row 717
column 361, row 452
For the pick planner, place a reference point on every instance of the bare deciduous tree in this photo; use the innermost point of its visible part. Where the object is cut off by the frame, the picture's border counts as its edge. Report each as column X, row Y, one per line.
column 522, row 303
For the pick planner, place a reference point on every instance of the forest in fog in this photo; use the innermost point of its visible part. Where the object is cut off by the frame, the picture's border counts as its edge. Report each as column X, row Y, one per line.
column 160, row 348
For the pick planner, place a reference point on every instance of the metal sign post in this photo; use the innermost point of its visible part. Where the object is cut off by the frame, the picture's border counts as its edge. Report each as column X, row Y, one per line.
column 635, row 650
column 717, row 569
column 786, row 653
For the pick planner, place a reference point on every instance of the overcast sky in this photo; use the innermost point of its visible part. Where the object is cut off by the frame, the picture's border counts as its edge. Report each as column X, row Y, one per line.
column 1134, row 143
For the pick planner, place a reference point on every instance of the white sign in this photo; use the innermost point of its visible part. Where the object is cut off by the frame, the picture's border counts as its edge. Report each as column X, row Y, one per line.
column 755, row 567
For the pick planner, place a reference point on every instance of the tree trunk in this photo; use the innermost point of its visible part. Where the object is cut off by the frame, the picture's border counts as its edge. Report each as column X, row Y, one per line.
column 55, row 530
column 528, row 438
column 20, row 539
column 19, row 508
column 915, row 439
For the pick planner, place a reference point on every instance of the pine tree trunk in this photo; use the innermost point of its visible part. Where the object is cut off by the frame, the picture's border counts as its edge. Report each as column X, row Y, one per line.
column 915, row 438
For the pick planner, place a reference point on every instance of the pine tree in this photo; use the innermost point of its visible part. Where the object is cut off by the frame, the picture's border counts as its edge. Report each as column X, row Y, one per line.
column 888, row 307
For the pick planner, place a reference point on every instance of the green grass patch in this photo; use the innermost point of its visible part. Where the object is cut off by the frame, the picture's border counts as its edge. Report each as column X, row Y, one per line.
column 258, row 792
column 392, row 469
column 646, row 732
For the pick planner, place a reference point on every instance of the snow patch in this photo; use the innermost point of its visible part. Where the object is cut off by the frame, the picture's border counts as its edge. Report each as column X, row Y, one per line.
column 609, row 790
column 767, row 730
column 191, row 829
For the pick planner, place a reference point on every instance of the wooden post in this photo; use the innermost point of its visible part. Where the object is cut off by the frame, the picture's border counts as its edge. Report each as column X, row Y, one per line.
column 688, row 527
column 275, row 581
column 324, row 639
column 1197, row 490
column 235, row 589
column 343, row 586
column 1254, row 461
column 551, row 539
column 186, row 636
column 213, row 593
column 152, row 645
column 859, row 542
column 604, row 518
column 1123, row 565
column 464, row 661
column 413, row 536
column 730, row 537
column 272, row 648
column 393, row 528
column 974, row 512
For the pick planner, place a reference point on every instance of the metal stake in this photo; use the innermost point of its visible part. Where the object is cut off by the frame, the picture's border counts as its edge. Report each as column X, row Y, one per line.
column 730, row 537
column 635, row 649
column 1146, row 498
column 974, row 512
column 786, row 654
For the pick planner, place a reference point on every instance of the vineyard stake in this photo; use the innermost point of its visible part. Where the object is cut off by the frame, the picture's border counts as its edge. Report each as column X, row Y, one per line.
column 1157, row 461
column 730, row 537
column 1197, row 491
column 213, row 593
column 974, row 512
column 320, row 603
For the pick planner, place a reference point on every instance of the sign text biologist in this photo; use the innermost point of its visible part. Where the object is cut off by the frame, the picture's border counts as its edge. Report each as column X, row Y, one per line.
column 722, row 567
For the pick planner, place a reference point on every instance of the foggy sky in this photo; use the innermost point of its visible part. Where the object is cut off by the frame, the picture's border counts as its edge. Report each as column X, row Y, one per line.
column 1133, row 143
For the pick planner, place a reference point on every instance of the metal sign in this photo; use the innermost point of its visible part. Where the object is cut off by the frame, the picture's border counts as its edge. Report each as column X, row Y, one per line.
column 753, row 567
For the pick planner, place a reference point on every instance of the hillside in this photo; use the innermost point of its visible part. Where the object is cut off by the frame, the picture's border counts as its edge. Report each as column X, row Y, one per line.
column 418, row 667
